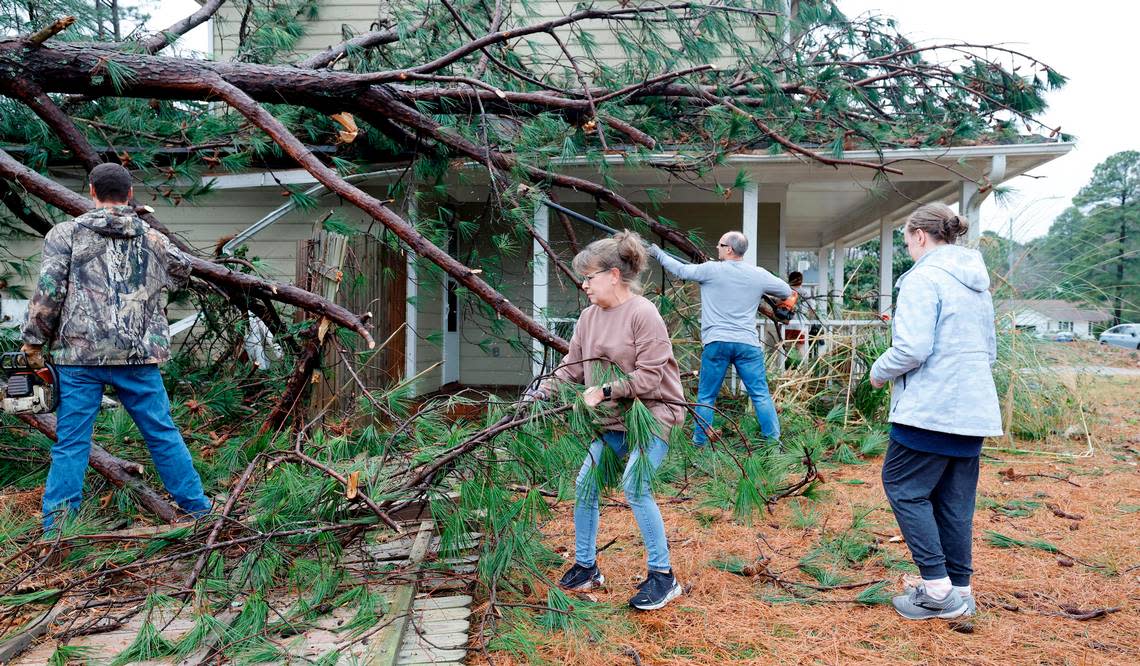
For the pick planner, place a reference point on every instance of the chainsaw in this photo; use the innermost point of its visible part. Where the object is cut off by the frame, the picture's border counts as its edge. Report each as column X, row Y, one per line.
column 783, row 311
column 24, row 389
column 786, row 309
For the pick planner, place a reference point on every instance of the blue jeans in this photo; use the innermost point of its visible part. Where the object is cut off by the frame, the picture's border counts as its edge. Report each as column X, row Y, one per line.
column 749, row 362
column 635, row 480
column 140, row 389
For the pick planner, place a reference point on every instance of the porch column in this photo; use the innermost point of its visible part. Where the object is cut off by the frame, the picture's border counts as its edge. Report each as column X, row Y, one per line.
column 970, row 198
column 886, row 264
column 969, row 207
column 450, row 311
column 411, row 289
column 540, row 283
column 819, row 303
column 782, row 244
column 838, row 280
column 750, row 226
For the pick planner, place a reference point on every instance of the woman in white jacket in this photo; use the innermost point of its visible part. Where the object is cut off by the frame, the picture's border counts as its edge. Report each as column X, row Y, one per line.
column 943, row 404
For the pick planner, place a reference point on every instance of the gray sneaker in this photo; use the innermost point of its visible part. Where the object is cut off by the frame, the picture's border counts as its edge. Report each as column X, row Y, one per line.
column 918, row 605
column 910, row 583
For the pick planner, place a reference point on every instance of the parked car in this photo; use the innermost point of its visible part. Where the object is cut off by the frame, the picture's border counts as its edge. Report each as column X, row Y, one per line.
column 1124, row 335
column 1062, row 336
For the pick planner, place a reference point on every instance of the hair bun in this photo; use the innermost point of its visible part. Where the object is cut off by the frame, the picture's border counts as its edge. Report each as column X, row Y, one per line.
column 956, row 226
column 631, row 249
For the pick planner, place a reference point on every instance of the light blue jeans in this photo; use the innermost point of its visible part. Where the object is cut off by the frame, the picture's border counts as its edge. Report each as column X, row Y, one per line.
column 636, row 481
column 140, row 389
column 749, row 362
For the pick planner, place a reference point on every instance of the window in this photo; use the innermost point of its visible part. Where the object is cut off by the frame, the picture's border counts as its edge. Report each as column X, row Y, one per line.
column 1064, row 326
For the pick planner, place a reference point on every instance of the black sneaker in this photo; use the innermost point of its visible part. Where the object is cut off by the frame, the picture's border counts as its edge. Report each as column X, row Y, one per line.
column 579, row 578
column 655, row 591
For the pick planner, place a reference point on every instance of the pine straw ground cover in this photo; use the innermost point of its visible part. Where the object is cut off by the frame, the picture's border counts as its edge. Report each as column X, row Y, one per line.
column 1034, row 536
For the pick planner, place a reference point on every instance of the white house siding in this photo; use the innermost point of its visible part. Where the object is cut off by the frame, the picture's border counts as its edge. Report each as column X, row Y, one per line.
column 334, row 15
column 1042, row 324
column 320, row 33
column 1029, row 319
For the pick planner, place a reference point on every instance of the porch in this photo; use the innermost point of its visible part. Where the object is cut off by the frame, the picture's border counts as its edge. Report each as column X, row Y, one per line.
column 787, row 205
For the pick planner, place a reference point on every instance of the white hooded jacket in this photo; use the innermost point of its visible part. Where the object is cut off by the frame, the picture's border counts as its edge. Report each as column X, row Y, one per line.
column 943, row 346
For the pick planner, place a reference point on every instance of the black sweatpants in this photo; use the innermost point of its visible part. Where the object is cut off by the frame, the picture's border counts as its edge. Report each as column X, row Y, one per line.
column 932, row 496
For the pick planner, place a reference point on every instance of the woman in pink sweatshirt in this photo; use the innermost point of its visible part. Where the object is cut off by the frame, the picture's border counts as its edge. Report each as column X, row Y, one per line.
column 622, row 331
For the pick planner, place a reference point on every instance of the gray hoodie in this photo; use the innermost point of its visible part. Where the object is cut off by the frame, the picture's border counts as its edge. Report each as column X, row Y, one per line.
column 943, row 346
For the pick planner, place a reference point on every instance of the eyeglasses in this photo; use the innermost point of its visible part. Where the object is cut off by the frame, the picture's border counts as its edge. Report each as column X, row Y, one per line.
column 722, row 245
column 591, row 276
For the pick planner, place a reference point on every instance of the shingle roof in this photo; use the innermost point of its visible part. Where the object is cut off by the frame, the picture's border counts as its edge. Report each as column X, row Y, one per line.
column 1053, row 309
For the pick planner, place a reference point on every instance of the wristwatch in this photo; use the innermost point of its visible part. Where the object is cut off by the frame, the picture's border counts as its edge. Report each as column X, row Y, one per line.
column 607, row 391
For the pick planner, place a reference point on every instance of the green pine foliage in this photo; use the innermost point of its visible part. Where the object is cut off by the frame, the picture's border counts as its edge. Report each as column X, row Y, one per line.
column 149, row 644
column 70, row 654
column 1004, row 541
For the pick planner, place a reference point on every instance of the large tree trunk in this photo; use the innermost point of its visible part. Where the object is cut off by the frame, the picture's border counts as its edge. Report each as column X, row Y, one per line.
column 67, row 68
column 1118, row 313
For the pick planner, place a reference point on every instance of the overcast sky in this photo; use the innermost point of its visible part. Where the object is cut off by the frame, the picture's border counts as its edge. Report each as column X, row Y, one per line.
column 1092, row 43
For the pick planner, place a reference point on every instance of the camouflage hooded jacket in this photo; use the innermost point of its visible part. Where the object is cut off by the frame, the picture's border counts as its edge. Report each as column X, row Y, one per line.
column 101, row 297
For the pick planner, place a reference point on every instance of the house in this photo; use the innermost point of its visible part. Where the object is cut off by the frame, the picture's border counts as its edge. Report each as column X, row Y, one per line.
column 1045, row 316
column 787, row 205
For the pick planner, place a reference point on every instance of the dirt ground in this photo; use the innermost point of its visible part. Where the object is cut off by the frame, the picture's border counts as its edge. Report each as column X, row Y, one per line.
column 1084, row 353
column 1022, row 592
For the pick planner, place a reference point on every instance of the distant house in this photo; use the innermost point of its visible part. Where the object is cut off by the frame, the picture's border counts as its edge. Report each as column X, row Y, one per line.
column 1051, row 316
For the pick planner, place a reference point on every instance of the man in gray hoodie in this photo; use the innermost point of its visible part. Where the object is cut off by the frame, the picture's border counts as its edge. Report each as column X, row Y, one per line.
column 731, row 291
column 943, row 404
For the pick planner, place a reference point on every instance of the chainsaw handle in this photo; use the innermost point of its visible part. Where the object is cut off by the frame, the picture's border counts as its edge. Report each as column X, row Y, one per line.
column 16, row 360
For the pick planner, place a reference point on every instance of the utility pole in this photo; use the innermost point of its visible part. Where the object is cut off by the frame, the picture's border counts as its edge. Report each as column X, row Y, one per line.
column 1016, row 216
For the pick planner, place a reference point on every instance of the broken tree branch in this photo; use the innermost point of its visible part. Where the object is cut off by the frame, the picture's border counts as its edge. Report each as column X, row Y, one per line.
column 164, row 38
column 292, row 146
column 20, row 208
column 73, row 204
column 119, row 472
column 52, row 30
column 299, row 380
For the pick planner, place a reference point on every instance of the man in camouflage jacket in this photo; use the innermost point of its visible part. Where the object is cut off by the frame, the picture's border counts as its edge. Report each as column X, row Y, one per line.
column 100, row 306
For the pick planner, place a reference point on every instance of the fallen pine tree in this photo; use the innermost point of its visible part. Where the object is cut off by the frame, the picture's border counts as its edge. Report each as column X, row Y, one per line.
column 450, row 83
